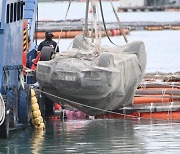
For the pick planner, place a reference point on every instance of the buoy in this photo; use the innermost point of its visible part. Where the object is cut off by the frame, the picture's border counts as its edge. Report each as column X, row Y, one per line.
column 35, row 106
column 175, row 27
column 154, row 27
column 161, row 115
column 36, row 117
column 32, row 93
column 38, row 120
column 33, row 100
column 151, row 99
column 57, row 106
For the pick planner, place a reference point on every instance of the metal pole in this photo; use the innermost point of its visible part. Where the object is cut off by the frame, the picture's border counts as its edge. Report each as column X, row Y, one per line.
column 86, row 18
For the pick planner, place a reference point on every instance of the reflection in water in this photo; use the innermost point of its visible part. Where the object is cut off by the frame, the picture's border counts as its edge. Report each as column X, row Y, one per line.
column 162, row 137
column 92, row 136
column 37, row 141
column 96, row 136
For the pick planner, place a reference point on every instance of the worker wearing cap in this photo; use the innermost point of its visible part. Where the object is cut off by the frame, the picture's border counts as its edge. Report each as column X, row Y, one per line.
column 47, row 42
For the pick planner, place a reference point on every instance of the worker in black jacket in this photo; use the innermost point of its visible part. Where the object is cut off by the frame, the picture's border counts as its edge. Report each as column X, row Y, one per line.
column 48, row 42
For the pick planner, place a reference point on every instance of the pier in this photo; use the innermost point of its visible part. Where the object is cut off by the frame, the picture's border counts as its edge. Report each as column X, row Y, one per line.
column 70, row 28
column 148, row 8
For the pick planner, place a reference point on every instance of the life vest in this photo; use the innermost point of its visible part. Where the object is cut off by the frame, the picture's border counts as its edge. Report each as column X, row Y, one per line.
column 24, row 62
column 24, row 58
column 34, row 65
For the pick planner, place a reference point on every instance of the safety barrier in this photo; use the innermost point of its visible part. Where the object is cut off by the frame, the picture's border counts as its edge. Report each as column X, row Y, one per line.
column 175, row 27
column 154, row 28
column 72, row 34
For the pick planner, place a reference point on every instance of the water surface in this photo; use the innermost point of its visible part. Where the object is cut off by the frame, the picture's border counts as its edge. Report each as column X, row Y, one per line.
column 97, row 136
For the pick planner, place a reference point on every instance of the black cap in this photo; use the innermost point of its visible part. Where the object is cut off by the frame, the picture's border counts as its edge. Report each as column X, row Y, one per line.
column 49, row 34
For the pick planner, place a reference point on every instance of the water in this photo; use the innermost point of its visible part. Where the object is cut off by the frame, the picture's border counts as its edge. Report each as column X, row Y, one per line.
column 96, row 136
column 108, row 136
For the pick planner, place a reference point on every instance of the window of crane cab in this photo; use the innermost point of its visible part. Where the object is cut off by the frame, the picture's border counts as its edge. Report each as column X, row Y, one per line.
column 18, row 10
column 14, row 12
column 11, row 12
column 7, row 14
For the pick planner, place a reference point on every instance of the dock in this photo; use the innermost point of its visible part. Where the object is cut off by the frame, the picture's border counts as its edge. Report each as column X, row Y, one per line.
column 148, row 8
column 70, row 28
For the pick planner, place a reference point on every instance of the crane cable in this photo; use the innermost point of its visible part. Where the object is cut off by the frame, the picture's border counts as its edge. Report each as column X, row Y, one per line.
column 104, row 23
column 119, row 23
column 62, row 28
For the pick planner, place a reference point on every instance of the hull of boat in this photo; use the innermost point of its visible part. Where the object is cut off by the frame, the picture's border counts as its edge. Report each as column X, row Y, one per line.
column 94, row 82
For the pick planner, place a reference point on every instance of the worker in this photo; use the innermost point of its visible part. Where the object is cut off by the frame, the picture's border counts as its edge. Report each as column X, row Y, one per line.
column 47, row 42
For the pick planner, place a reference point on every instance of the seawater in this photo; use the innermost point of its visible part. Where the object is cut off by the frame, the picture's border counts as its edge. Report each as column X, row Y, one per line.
column 120, row 136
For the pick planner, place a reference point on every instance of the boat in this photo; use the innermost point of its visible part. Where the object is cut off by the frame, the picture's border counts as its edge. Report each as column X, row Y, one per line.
column 16, row 16
column 91, row 77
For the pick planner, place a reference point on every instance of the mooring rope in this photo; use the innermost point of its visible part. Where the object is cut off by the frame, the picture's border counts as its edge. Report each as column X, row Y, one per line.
column 107, row 111
column 67, row 100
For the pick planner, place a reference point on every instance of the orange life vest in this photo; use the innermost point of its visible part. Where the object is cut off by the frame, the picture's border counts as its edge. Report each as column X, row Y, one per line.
column 34, row 65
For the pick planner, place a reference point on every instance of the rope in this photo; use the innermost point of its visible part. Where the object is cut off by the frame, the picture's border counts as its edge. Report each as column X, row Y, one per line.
column 62, row 28
column 2, row 110
column 67, row 100
column 119, row 23
column 104, row 23
column 107, row 111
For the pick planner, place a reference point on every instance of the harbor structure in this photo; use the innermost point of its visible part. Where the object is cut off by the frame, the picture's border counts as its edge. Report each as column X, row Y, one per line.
column 148, row 5
column 133, row 3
